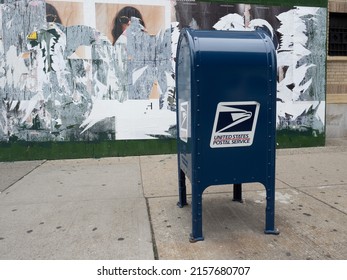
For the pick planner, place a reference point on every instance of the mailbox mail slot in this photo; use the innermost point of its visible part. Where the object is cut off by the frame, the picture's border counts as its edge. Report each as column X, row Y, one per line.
column 226, row 115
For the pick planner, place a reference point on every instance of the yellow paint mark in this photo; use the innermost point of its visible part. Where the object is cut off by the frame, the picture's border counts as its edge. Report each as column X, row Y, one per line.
column 32, row 36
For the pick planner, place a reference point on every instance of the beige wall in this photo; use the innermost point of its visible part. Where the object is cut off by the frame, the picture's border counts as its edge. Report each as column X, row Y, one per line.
column 337, row 65
column 338, row 6
column 336, row 108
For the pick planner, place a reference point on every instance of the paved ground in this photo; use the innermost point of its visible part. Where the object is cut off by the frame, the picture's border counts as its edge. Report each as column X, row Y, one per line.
column 125, row 208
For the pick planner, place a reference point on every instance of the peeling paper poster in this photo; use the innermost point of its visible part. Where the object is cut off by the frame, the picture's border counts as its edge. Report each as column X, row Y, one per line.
column 94, row 70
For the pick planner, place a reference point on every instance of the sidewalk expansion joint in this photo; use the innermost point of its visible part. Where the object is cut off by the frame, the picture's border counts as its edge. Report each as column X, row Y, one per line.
column 155, row 248
column 6, row 189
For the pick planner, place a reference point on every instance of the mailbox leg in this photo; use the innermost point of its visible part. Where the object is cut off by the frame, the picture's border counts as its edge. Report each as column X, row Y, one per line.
column 238, row 193
column 182, row 189
column 270, row 212
column 196, row 234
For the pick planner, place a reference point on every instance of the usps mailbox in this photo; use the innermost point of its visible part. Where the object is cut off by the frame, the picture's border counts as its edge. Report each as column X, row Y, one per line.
column 226, row 116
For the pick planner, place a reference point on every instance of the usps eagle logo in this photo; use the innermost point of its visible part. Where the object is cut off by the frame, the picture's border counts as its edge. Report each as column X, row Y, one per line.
column 234, row 124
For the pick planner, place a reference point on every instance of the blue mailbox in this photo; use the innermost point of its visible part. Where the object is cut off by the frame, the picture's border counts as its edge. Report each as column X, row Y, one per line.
column 226, row 116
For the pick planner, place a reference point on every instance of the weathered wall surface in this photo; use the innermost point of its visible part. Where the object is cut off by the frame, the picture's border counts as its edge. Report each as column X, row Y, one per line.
column 50, row 95
column 49, row 92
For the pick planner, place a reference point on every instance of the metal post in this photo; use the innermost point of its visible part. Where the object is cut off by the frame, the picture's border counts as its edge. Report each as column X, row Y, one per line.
column 196, row 234
column 182, row 189
column 238, row 193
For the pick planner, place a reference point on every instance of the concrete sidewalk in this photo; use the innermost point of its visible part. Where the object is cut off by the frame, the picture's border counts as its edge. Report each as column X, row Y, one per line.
column 125, row 208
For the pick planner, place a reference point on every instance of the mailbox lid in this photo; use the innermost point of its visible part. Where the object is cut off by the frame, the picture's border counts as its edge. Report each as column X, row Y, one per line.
column 237, row 63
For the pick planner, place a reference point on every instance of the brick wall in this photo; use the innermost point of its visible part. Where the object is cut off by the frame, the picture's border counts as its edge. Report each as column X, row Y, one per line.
column 337, row 75
column 337, row 65
column 338, row 6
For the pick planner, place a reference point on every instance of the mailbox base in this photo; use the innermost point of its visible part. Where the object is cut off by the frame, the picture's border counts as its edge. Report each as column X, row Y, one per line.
column 197, row 191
